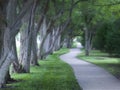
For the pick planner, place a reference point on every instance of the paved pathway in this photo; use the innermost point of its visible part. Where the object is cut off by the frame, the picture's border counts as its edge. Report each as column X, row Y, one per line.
column 89, row 76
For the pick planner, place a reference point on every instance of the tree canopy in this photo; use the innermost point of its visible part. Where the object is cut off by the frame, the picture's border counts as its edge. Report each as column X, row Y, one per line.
column 54, row 23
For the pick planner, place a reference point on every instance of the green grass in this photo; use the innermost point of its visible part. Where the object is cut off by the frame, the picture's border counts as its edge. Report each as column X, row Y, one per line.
column 74, row 45
column 111, row 64
column 52, row 74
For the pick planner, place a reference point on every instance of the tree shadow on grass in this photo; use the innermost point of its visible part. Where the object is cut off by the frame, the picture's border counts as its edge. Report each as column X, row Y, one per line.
column 10, row 86
column 116, row 69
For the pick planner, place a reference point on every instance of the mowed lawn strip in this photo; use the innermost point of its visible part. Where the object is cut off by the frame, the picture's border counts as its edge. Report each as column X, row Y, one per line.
column 52, row 74
column 112, row 64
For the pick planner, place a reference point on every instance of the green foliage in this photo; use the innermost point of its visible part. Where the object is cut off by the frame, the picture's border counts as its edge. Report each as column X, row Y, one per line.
column 107, row 38
column 87, row 12
column 99, row 41
column 52, row 74
column 101, row 59
column 113, row 42
column 83, row 39
column 94, row 12
column 78, row 39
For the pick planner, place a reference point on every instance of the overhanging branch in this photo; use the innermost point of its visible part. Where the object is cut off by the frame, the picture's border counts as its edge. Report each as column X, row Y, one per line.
column 110, row 4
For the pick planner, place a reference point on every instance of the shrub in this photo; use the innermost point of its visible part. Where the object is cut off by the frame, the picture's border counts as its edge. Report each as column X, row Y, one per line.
column 108, row 38
column 99, row 40
column 113, row 39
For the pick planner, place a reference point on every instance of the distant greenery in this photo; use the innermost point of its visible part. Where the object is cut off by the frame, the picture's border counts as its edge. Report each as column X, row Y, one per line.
column 76, row 41
column 107, row 38
column 74, row 45
column 52, row 74
column 111, row 64
column 101, row 20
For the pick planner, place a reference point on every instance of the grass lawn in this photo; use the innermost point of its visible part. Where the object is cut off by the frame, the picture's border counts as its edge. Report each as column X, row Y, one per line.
column 111, row 64
column 52, row 74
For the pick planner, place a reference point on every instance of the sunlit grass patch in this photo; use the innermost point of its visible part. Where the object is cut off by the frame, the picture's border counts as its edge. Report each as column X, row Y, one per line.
column 102, row 59
column 52, row 74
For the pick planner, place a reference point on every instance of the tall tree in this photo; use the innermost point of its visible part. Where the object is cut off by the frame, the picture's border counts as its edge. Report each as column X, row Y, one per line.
column 9, row 31
column 88, row 14
column 27, row 40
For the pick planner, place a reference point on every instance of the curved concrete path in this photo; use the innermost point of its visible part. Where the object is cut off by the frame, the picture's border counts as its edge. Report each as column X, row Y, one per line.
column 89, row 76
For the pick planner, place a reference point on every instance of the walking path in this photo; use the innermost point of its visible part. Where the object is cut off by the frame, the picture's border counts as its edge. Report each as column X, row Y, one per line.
column 89, row 76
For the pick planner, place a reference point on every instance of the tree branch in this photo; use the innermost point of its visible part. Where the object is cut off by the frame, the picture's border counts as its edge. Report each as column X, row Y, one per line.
column 110, row 4
column 20, row 16
column 45, row 10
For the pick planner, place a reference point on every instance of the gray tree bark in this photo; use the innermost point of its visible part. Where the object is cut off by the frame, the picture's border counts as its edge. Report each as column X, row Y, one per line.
column 24, row 51
column 34, row 58
column 26, row 41
column 11, row 15
column 1, row 39
column 55, row 34
column 43, row 35
column 5, row 41
column 7, row 57
column 9, row 31
column 87, row 42
column 16, row 65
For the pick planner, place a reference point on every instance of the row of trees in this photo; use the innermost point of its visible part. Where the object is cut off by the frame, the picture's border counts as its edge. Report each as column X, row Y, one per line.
column 51, row 20
column 56, row 23
column 100, row 25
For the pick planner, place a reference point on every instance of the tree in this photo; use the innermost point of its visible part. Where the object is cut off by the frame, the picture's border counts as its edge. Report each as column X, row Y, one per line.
column 88, row 13
column 27, row 39
column 9, row 32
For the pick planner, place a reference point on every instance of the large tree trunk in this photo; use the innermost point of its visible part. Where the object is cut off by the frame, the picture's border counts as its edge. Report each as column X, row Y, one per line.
column 2, row 81
column 16, row 66
column 87, row 42
column 69, row 42
column 46, row 41
column 26, row 41
column 15, row 62
column 34, row 58
column 47, row 44
column 43, row 36
column 7, row 57
column 11, row 15
column 24, row 13
column 1, row 40
column 9, row 31
column 42, row 50
column 53, row 41
column 58, row 43
column 25, row 50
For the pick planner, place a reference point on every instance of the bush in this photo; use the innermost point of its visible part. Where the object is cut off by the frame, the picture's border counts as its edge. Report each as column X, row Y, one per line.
column 113, row 39
column 99, row 40
column 113, row 42
column 108, row 38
